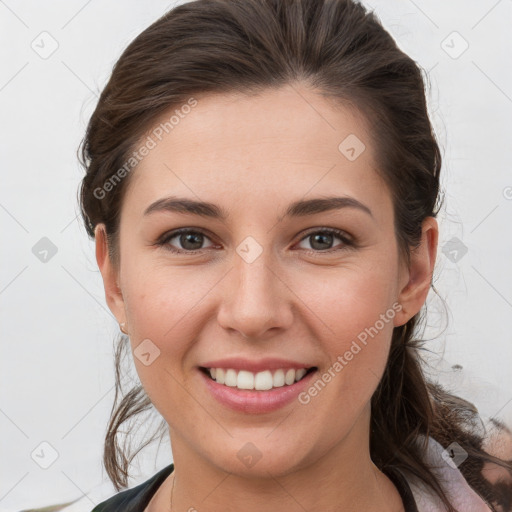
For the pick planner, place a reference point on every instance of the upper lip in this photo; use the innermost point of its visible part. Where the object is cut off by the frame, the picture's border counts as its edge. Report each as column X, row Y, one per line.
column 269, row 363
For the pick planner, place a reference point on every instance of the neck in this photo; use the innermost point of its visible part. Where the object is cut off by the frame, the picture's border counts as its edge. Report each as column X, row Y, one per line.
column 343, row 478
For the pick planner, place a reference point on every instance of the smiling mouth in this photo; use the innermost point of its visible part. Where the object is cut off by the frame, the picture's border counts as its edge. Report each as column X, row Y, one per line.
column 258, row 381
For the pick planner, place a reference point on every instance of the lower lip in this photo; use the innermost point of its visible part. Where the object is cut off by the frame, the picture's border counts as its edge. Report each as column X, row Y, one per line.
column 256, row 402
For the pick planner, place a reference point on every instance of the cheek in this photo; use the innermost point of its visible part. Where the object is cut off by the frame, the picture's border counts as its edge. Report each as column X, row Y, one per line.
column 353, row 315
column 162, row 311
column 161, row 299
column 347, row 301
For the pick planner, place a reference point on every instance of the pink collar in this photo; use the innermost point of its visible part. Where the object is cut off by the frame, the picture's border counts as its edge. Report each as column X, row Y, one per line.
column 460, row 494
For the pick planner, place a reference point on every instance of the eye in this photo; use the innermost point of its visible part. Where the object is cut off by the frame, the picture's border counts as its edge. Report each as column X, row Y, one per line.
column 191, row 240
column 321, row 239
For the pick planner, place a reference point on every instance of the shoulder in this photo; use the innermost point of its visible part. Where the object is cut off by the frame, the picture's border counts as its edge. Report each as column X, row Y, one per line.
column 486, row 431
column 129, row 500
column 445, row 462
column 137, row 497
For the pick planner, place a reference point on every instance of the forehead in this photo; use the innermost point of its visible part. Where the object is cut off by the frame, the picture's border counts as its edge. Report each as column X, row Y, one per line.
column 276, row 146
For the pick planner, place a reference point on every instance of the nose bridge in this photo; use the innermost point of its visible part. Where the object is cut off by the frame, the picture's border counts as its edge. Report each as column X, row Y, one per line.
column 256, row 299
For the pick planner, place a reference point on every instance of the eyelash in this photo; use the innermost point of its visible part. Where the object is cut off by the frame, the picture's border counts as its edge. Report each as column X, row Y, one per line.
column 348, row 243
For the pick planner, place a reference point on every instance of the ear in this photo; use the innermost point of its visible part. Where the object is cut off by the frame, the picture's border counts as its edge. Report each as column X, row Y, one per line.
column 109, row 274
column 416, row 280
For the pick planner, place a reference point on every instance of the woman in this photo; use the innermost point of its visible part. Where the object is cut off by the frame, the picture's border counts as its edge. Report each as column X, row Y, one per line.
column 262, row 182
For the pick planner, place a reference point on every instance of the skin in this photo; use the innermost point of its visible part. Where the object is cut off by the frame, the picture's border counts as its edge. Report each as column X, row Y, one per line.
column 253, row 156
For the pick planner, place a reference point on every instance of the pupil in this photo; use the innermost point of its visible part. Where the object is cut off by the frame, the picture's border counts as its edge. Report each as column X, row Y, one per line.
column 185, row 239
column 321, row 237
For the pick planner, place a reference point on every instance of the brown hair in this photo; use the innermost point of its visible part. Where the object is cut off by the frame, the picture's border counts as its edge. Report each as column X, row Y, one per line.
column 338, row 48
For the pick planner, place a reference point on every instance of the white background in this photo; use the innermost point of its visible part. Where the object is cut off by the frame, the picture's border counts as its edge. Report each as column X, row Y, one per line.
column 56, row 366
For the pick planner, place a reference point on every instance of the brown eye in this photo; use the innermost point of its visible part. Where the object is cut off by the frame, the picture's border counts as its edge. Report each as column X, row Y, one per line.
column 189, row 240
column 322, row 240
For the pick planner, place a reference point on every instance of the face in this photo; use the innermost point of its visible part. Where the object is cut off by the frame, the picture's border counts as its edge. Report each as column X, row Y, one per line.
column 263, row 290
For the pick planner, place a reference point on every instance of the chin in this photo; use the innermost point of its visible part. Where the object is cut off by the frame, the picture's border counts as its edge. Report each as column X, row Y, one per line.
column 260, row 457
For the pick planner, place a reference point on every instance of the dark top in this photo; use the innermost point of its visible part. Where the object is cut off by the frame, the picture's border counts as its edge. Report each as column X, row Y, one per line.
column 138, row 498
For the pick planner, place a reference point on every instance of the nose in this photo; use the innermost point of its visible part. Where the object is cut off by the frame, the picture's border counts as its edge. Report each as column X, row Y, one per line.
column 256, row 301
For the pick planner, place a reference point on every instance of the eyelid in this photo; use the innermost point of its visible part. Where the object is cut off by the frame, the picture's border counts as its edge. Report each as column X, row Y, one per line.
column 334, row 231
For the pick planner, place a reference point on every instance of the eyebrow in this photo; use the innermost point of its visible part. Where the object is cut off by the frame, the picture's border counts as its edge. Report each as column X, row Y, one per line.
column 299, row 208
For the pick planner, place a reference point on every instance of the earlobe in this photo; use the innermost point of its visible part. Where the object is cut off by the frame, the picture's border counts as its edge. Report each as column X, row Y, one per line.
column 109, row 273
column 413, row 293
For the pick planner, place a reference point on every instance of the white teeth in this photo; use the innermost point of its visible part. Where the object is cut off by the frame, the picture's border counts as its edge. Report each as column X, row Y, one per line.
column 261, row 381
column 299, row 374
column 278, row 379
column 245, row 380
column 220, row 375
column 289, row 378
column 230, row 379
